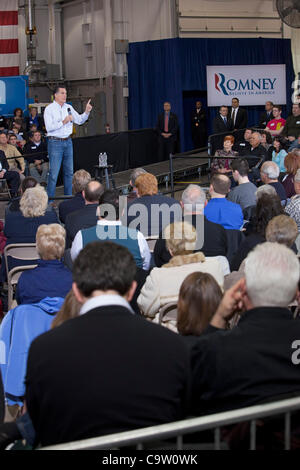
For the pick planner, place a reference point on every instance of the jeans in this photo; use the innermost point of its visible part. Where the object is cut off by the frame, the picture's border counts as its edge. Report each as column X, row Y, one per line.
column 43, row 177
column 60, row 152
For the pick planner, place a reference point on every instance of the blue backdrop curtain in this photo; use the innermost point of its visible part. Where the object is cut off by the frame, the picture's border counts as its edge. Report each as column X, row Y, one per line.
column 163, row 70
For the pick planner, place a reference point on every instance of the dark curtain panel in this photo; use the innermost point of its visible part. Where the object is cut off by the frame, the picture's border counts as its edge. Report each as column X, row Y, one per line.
column 162, row 70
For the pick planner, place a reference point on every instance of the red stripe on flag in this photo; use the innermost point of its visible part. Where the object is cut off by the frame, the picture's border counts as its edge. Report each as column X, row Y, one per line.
column 8, row 18
column 9, row 71
column 9, row 46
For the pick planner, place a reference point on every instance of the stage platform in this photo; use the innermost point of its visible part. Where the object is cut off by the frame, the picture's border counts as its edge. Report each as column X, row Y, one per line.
column 182, row 167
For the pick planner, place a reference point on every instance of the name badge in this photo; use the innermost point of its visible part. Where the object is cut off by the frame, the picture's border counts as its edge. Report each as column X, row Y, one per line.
column 33, row 148
column 298, row 122
column 242, row 145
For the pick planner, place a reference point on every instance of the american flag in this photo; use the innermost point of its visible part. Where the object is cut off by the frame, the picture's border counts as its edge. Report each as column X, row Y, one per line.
column 9, row 47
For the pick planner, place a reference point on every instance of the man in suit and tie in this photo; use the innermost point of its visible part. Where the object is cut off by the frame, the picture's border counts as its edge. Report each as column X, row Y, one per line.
column 107, row 370
column 266, row 116
column 85, row 217
column 167, row 128
column 238, row 115
column 222, row 121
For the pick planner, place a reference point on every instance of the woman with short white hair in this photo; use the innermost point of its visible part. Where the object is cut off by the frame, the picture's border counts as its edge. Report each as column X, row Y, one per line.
column 50, row 278
column 163, row 284
column 21, row 226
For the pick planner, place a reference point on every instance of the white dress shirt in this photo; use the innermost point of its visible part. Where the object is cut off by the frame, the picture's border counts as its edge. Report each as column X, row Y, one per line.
column 104, row 300
column 54, row 115
column 77, row 244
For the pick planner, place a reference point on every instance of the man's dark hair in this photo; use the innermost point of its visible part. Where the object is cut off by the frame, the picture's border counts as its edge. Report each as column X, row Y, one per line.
column 235, row 98
column 3, row 132
column 278, row 106
column 221, row 184
column 223, row 106
column 104, row 266
column 28, row 182
column 110, row 197
column 57, row 88
column 241, row 165
column 93, row 192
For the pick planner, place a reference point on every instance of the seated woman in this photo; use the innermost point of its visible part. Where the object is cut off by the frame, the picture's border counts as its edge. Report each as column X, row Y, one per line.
column 222, row 165
column 163, row 284
column 21, row 227
column 279, row 153
column 292, row 164
column 199, row 298
column 50, row 278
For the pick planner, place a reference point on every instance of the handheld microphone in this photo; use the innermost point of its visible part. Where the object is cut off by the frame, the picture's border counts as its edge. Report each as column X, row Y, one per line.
column 69, row 112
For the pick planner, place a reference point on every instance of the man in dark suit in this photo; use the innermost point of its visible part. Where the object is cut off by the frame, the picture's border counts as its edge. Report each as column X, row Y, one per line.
column 222, row 122
column 12, row 177
column 198, row 126
column 85, row 217
column 167, row 129
column 266, row 116
column 211, row 237
column 79, row 181
column 255, row 360
column 238, row 115
column 118, row 372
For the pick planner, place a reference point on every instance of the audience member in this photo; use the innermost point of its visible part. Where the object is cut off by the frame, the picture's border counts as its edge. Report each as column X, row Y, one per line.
column 133, row 177
column 275, row 125
column 12, row 140
column 250, row 358
column 198, row 300
column 266, row 140
column 222, row 122
column 293, row 207
column 222, row 165
column 109, row 336
column 150, row 212
column 269, row 174
column 219, row 210
column 50, row 278
column 267, row 207
column 85, row 217
column 15, row 160
column 12, row 177
column 256, row 150
column 243, row 147
column 14, row 205
column 34, row 118
column 211, row 237
column 291, row 130
column 79, row 181
column 36, row 155
column 266, row 116
column 279, row 153
column 163, row 284
column 69, row 309
column 244, row 193
column 292, row 164
column 109, row 227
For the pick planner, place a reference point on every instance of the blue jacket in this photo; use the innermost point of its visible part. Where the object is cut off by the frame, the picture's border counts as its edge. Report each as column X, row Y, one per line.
column 18, row 329
column 49, row 279
column 224, row 212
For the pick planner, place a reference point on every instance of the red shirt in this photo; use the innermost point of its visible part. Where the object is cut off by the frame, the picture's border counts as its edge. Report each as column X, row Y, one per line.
column 276, row 124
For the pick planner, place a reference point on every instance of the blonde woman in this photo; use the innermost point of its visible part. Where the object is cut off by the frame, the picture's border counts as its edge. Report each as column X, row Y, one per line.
column 163, row 284
column 50, row 278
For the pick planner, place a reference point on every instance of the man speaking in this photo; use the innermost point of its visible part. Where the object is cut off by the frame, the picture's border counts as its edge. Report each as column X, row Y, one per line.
column 59, row 117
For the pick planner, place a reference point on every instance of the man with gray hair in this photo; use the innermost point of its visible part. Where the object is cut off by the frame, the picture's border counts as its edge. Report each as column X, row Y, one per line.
column 254, row 359
column 211, row 237
column 269, row 174
column 134, row 175
column 293, row 207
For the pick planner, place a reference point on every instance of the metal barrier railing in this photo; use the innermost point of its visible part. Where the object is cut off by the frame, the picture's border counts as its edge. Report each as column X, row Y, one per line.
column 180, row 428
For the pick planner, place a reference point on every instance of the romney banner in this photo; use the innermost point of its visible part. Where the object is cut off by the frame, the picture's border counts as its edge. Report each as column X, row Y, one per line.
column 252, row 84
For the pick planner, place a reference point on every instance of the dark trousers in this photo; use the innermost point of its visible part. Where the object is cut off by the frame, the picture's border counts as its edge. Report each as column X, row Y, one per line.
column 165, row 147
column 13, row 180
column 199, row 139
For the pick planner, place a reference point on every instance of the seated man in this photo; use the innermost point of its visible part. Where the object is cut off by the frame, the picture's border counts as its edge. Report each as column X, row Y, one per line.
column 107, row 370
column 276, row 124
column 133, row 177
column 79, row 181
column 211, row 237
column 269, row 174
column 12, row 177
column 219, row 210
column 15, row 160
column 85, row 217
column 253, row 360
column 37, row 157
column 109, row 227
column 150, row 212
column 291, row 130
column 243, row 147
column 244, row 193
